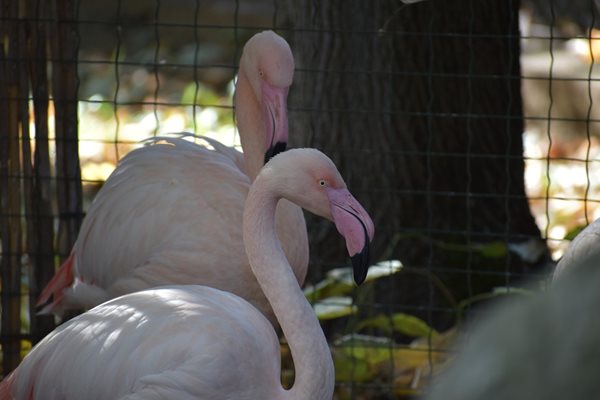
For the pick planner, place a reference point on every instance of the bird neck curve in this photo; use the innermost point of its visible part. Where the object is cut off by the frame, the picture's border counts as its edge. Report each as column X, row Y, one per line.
column 315, row 376
column 250, row 124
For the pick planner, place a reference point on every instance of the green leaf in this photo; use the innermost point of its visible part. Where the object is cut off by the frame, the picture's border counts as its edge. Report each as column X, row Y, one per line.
column 574, row 232
column 351, row 369
column 504, row 290
column 340, row 281
column 371, row 349
column 497, row 291
column 383, row 268
column 493, row 249
column 327, row 288
column 401, row 323
column 364, row 357
column 334, row 307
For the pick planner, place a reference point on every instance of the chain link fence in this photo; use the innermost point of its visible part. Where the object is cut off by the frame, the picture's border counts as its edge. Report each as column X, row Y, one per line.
column 467, row 128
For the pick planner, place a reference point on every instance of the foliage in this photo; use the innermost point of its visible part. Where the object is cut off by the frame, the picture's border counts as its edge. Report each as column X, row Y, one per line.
column 401, row 323
column 339, row 281
column 109, row 130
column 369, row 357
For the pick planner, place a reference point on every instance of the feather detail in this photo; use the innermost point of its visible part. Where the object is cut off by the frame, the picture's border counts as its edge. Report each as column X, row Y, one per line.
column 171, row 212
column 51, row 298
column 159, row 216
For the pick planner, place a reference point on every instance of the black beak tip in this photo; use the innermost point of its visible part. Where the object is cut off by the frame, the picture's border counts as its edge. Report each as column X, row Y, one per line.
column 275, row 149
column 360, row 264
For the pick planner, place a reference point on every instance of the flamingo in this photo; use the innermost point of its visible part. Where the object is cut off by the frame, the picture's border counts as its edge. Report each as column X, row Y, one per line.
column 195, row 195
column 585, row 245
column 192, row 341
column 540, row 347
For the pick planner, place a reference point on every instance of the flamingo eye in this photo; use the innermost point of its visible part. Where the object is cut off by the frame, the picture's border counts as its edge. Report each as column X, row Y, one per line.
column 322, row 182
column 261, row 73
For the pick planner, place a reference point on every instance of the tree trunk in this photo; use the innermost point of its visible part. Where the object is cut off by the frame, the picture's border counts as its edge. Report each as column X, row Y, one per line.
column 420, row 107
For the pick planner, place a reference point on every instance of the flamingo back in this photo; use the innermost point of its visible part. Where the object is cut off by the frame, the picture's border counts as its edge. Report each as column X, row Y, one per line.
column 156, row 344
column 171, row 213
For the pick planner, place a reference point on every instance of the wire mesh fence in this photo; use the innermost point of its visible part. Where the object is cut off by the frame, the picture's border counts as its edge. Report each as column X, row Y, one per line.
column 467, row 129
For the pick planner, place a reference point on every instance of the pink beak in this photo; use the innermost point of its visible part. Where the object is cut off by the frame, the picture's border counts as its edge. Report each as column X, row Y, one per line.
column 274, row 101
column 355, row 225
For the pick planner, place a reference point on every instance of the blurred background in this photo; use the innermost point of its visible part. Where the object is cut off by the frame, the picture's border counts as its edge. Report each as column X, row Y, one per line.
column 467, row 128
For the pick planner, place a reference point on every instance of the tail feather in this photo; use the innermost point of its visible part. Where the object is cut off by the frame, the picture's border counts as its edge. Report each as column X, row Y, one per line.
column 51, row 298
column 6, row 387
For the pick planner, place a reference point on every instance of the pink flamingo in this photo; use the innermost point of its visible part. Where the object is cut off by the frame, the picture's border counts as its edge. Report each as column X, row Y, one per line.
column 191, row 341
column 171, row 212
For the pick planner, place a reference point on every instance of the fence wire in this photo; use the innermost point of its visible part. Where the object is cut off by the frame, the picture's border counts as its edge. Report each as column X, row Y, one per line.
column 467, row 128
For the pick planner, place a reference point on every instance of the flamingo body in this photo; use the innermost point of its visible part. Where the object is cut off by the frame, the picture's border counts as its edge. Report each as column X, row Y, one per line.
column 166, row 217
column 171, row 212
column 585, row 245
column 540, row 347
column 197, row 342
column 178, row 341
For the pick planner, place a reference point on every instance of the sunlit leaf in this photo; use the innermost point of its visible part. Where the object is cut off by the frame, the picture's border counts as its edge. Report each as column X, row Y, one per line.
column 383, row 268
column 334, row 307
column 574, row 232
column 377, row 350
column 372, row 349
column 25, row 347
column 363, row 358
column 400, row 323
column 328, row 287
column 340, row 281
column 351, row 369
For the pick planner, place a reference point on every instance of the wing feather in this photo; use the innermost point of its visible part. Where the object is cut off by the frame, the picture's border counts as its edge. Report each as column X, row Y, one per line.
column 171, row 213
column 155, row 344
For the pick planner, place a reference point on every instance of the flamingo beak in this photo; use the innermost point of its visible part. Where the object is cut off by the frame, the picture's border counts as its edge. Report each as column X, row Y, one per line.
column 274, row 100
column 355, row 225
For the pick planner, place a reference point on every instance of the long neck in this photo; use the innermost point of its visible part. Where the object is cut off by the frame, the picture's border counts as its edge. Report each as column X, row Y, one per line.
column 310, row 351
column 248, row 115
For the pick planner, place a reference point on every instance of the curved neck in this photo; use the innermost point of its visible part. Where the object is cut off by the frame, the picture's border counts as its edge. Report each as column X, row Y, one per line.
column 248, row 116
column 315, row 374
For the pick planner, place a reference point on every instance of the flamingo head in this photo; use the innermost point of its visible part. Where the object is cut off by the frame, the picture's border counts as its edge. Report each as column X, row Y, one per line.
column 309, row 178
column 269, row 64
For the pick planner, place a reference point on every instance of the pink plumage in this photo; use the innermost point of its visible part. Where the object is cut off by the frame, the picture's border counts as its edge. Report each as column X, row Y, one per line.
column 171, row 212
column 196, row 342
